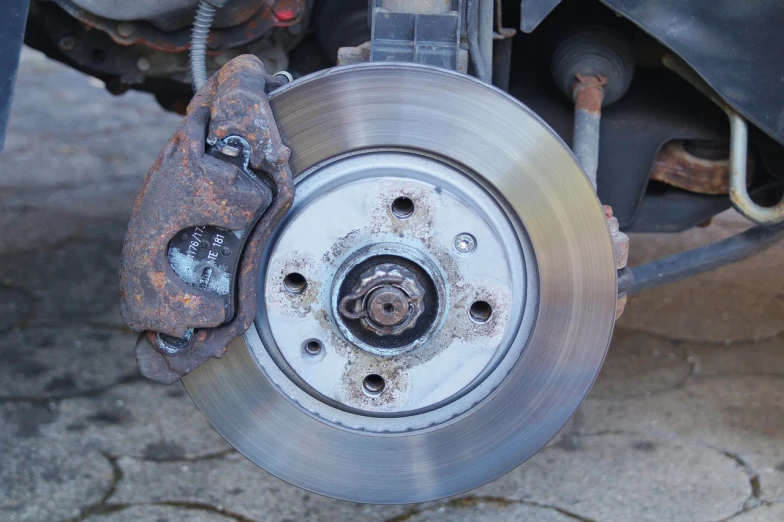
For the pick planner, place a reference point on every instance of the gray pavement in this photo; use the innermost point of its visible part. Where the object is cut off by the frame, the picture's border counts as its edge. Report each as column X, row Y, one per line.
column 686, row 421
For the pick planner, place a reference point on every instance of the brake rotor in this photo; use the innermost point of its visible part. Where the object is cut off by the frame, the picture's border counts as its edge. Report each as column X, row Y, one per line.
column 435, row 306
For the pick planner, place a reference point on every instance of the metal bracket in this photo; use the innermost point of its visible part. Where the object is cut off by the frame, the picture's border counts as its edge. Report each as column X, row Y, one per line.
column 421, row 31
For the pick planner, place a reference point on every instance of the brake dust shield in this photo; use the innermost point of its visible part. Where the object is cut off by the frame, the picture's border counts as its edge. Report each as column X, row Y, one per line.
column 427, row 190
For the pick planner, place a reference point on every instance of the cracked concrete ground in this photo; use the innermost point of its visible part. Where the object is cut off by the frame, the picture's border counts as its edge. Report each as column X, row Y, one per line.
column 686, row 421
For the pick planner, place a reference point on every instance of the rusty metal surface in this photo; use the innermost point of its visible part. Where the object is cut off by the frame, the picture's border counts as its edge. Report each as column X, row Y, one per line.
column 739, row 145
column 272, row 14
column 588, row 96
column 588, row 93
column 171, row 14
column 387, row 299
column 679, row 168
column 187, row 188
column 619, row 239
column 503, row 32
column 349, row 55
column 250, row 398
column 620, row 243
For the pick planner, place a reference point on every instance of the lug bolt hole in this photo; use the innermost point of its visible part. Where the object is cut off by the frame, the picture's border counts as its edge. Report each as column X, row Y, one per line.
column 373, row 384
column 480, row 311
column 402, row 208
column 312, row 348
column 295, row 283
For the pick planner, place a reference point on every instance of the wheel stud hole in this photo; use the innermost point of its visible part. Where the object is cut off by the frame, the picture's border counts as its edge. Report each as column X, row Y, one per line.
column 402, row 208
column 312, row 348
column 373, row 384
column 295, row 283
column 480, row 311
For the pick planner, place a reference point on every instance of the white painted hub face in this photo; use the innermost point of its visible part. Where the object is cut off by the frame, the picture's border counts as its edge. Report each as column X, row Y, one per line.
column 344, row 214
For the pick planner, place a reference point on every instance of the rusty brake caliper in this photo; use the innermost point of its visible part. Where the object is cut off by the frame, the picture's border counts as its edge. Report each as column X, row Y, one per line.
column 205, row 212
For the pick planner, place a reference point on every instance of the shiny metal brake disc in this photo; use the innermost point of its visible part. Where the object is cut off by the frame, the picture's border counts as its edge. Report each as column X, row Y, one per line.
column 435, row 306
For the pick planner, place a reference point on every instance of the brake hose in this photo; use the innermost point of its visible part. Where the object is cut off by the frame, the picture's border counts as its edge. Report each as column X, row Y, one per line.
column 202, row 23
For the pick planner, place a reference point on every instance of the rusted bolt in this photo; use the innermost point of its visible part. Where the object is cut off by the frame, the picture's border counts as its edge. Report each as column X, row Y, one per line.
column 388, row 306
column 125, row 29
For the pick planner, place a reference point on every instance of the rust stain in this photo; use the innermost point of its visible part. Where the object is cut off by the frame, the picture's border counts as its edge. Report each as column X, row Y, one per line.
column 677, row 167
column 588, row 93
column 247, row 22
column 187, row 188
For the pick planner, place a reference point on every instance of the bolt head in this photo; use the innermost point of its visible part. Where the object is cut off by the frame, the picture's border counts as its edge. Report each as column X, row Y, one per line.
column 67, row 43
column 465, row 243
column 143, row 64
column 387, row 306
column 125, row 29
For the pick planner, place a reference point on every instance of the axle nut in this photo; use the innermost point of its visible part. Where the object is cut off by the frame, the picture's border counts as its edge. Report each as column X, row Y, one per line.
column 387, row 306
column 387, row 299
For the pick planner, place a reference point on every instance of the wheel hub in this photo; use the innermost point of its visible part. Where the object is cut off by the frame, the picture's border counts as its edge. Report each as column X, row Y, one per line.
column 439, row 298
column 387, row 292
